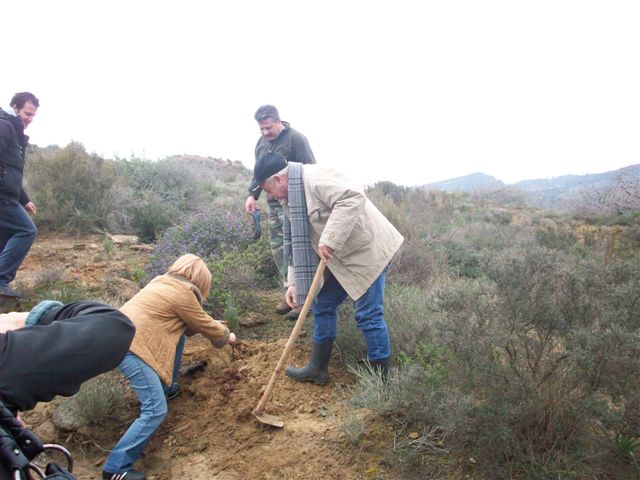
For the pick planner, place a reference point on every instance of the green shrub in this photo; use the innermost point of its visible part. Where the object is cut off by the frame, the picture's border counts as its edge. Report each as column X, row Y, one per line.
column 236, row 275
column 558, row 238
column 97, row 398
column 529, row 367
column 79, row 190
column 350, row 346
column 462, row 260
column 150, row 216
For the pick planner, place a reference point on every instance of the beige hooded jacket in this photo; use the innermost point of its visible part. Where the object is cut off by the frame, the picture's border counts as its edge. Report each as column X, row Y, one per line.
column 163, row 311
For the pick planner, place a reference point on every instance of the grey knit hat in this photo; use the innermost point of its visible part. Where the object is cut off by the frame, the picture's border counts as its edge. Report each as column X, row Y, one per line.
column 39, row 310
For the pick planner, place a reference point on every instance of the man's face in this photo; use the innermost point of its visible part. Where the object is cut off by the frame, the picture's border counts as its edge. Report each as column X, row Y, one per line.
column 277, row 187
column 26, row 113
column 270, row 129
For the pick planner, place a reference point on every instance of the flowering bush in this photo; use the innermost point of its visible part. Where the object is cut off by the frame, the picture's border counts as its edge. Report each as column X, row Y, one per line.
column 206, row 236
column 224, row 242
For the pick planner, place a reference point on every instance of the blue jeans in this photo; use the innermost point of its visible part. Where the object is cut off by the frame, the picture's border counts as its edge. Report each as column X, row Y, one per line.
column 176, row 364
column 17, row 232
column 153, row 409
column 368, row 312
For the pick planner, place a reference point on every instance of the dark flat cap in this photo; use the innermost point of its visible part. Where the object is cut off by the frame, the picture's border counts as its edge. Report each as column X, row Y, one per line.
column 268, row 164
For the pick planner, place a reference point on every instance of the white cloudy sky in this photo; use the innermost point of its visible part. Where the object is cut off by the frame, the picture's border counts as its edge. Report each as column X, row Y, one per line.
column 407, row 91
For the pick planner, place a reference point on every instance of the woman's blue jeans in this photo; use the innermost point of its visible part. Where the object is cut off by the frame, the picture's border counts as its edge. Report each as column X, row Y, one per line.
column 153, row 409
column 368, row 312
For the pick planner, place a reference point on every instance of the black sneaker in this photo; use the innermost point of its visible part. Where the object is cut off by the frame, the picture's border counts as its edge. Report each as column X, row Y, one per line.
column 172, row 392
column 128, row 475
column 7, row 291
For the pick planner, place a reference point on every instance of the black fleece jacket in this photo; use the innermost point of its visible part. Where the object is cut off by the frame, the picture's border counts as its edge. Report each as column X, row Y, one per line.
column 291, row 144
column 70, row 345
column 13, row 144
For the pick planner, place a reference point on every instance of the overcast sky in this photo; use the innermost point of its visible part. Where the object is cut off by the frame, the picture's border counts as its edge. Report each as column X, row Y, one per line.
column 407, row 91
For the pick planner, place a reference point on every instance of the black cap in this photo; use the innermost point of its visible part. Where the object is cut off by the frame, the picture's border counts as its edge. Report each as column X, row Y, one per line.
column 268, row 164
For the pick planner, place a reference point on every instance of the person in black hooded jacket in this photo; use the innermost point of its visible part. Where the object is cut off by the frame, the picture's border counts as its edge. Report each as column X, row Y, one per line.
column 54, row 348
column 51, row 351
column 17, row 230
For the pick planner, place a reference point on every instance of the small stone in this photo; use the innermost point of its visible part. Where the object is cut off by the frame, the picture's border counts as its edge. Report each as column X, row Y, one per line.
column 413, row 435
column 251, row 320
column 142, row 247
column 125, row 239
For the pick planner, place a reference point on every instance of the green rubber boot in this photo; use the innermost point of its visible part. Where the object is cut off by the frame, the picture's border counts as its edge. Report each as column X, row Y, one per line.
column 317, row 371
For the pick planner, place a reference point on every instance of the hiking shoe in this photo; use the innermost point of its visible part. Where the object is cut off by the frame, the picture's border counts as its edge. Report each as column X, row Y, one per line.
column 171, row 392
column 128, row 475
column 282, row 307
column 7, row 291
column 194, row 367
column 293, row 314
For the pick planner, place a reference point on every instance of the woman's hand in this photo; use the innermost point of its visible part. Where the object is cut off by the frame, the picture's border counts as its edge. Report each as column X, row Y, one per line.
column 232, row 339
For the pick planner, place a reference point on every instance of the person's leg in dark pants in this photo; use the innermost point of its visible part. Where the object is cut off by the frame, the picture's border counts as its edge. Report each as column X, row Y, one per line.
column 18, row 233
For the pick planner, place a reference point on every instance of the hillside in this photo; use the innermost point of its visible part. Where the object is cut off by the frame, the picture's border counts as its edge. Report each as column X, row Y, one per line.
column 559, row 193
column 469, row 183
column 515, row 331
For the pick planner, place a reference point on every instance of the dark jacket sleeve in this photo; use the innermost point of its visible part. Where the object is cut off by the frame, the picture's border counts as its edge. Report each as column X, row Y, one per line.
column 301, row 149
column 293, row 145
column 254, row 189
column 24, row 198
column 71, row 344
column 5, row 135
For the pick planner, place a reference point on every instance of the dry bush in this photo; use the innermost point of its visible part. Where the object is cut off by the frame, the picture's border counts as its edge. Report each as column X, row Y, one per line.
column 413, row 265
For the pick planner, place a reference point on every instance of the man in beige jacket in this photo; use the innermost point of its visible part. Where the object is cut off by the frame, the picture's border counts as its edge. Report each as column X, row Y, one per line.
column 332, row 217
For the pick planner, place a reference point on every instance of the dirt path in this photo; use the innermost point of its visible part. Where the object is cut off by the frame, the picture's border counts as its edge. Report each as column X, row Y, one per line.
column 210, row 432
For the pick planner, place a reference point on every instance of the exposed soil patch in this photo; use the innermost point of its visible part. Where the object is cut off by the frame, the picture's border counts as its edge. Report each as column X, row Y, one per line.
column 210, row 432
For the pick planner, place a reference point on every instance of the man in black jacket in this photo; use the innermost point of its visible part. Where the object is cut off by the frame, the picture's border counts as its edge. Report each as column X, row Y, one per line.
column 277, row 136
column 17, row 230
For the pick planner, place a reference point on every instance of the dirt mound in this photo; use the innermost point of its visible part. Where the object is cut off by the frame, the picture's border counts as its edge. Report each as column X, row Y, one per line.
column 210, row 432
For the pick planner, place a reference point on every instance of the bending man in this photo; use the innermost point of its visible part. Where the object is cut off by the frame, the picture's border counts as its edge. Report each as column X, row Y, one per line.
column 332, row 218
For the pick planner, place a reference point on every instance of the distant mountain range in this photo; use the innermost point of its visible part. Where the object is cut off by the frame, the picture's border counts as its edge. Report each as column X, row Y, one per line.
column 556, row 193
